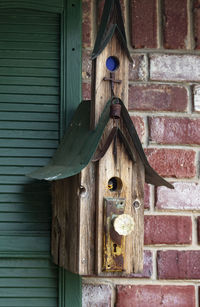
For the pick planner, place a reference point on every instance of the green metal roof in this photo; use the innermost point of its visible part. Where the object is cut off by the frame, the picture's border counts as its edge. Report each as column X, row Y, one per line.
column 111, row 22
column 77, row 147
column 80, row 143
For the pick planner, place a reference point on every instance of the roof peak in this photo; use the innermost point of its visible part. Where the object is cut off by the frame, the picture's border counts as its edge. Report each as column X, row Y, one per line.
column 111, row 22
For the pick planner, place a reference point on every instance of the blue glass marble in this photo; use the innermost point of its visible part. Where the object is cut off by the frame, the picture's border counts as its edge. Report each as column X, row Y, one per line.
column 112, row 63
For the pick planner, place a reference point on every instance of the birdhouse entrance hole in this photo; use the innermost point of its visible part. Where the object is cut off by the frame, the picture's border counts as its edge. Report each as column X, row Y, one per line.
column 112, row 63
column 114, row 184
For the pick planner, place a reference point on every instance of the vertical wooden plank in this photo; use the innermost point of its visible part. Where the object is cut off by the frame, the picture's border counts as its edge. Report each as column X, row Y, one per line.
column 132, row 176
column 70, row 99
column 106, row 170
column 101, row 91
column 138, row 194
column 73, row 222
column 87, row 220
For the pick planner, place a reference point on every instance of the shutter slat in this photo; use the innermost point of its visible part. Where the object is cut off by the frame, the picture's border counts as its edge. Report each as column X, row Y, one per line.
column 29, row 127
column 29, row 80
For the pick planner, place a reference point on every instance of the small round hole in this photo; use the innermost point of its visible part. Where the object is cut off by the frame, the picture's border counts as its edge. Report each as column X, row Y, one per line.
column 136, row 204
column 114, row 184
column 112, row 63
column 73, row 49
column 82, row 190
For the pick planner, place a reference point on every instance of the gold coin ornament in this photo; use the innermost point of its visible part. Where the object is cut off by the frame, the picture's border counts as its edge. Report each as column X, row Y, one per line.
column 124, row 224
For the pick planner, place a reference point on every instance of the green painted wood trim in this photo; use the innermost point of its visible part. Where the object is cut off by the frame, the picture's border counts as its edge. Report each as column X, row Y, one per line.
column 71, row 61
column 70, row 285
column 70, row 289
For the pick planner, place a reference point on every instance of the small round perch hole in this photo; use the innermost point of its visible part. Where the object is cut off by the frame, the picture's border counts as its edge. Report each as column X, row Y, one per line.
column 114, row 184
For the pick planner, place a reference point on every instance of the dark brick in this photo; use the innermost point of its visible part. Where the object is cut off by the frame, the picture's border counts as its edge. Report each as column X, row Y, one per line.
column 174, row 264
column 167, row 229
column 143, row 24
column 196, row 10
column 157, row 98
column 175, row 24
column 198, row 229
column 155, row 296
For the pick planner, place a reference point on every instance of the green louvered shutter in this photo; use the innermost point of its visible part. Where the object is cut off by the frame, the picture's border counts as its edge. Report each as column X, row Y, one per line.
column 29, row 126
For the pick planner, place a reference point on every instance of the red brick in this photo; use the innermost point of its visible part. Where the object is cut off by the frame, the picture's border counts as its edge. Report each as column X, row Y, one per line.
column 170, row 130
column 87, row 23
column 96, row 295
column 155, row 296
column 146, row 196
column 147, row 266
column 185, row 196
column 86, row 91
column 157, row 98
column 143, row 24
column 176, row 163
column 139, row 126
column 175, row 67
column 138, row 69
column 174, row 264
column 167, row 229
column 197, row 23
column 86, row 65
column 198, row 229
column 175, row 24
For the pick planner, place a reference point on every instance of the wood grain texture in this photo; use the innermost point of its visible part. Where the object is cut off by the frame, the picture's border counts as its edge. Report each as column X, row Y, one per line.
column 132, row 176
column 101, row 90
column 87, row 220
column 65, row 225
column 73, row 222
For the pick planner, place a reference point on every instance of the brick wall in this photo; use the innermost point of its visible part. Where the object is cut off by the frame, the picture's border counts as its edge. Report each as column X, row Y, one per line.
column 164, row 40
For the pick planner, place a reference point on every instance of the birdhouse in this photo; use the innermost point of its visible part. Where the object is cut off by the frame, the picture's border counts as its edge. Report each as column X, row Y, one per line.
column 99, row 170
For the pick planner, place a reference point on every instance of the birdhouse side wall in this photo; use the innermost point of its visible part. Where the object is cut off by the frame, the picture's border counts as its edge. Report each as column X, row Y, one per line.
column 73, row 222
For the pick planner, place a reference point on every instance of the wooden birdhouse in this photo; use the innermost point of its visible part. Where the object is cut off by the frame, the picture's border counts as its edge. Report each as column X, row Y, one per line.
column 99, row 170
